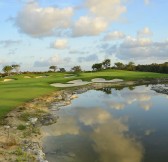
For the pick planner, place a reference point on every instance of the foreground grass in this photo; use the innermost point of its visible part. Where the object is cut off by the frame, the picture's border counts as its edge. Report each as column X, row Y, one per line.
column 20, row 90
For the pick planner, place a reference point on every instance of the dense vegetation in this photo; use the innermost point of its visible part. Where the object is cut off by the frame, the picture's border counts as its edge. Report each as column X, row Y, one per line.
column 158, row 68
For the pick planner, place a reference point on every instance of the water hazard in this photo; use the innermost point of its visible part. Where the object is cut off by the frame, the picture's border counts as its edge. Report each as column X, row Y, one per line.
column 111, row 125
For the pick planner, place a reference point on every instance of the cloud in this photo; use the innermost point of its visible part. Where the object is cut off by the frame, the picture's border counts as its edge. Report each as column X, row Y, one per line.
column 63, row 128
column 101, row 14
column 114, row 145
column 116, row 105
column 60, row 44
column 87, row 26
column 144, row 48
column 95, row 116
column 110, row 10
column 37, row 21
column 54, row 60
column 147, row 2
column 146, row 105
column 9, row 43
column 139, row 49
column 145, row 32
column 115, row 35
column 89, row 58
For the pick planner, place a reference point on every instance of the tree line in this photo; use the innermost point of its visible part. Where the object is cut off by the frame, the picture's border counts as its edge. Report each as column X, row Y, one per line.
column 106, row 64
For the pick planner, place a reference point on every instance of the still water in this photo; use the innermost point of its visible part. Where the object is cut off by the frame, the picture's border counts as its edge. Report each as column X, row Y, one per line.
column 110, row 125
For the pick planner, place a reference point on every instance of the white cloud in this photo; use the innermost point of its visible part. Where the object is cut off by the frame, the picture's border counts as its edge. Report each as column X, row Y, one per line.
column 115, row 35
column 115, row 145
column 95, row 116
column 146, row 2
column 131, row 42
column 145, row 32
column 142, row 48
column 60, row 44
column 37, row 21
column 108, row 9
column 87, row 26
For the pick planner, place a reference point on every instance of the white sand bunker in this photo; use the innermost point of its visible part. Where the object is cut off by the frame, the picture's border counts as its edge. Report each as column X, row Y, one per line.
column 41, row 77
column 8, row 80
column 27, row 77
column 73, row 83
column 80, row 82
column 101, row 80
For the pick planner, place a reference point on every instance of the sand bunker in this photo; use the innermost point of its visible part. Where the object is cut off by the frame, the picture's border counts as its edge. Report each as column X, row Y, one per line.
column 74, row 83
column 101, row 80
column 27, row 77
column 7, row 80
column 71, row 83
column 41, row 76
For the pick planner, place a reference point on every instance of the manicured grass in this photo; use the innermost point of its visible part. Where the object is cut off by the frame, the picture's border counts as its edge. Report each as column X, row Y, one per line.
column 20, row 90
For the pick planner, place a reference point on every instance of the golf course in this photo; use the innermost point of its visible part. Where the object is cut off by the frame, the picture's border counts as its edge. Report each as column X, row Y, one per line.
column 18, row 89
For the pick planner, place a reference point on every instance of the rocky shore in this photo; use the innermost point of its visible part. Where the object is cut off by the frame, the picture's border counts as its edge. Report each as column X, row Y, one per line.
column 20, row 130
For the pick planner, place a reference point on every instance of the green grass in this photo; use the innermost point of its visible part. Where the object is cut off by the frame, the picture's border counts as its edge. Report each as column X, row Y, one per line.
column 20, row 90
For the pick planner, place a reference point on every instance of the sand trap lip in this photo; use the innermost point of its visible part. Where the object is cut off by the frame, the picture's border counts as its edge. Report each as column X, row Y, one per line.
column 79, row 82
column 102, row 80
column 72, row 83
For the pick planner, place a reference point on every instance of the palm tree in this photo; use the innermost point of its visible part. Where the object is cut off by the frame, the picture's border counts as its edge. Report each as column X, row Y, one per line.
column 7, row 69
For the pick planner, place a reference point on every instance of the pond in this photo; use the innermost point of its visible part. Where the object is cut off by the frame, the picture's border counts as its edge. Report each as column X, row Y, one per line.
column 111, row 125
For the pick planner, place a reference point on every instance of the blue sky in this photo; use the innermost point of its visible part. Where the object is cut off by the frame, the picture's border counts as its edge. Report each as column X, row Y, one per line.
column 40, row 33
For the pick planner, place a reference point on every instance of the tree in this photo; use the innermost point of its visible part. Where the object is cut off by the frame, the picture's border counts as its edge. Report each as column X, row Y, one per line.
column 54, row 68
column 130, row 66
column 119, row 65
column 106, row 63
column 7, row 69
column 62, row 70
column 76, row 69
column 16, row 67
column 97, row 66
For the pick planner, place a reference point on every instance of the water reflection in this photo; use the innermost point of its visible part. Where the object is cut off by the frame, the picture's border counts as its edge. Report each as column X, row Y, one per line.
column 104, row 135
column 122, row 126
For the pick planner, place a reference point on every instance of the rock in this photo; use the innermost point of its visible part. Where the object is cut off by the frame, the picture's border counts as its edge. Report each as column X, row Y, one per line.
column 33, row 120
column 6, row 126
column 160, row 89
column 48, row 119
column 74, row 96
column 59, row 97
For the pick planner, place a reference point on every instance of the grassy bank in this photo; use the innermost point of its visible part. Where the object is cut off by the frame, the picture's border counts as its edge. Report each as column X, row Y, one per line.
column 22, row 89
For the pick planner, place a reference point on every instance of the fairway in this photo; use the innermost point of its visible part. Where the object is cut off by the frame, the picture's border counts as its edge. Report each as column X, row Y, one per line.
column 22, row 89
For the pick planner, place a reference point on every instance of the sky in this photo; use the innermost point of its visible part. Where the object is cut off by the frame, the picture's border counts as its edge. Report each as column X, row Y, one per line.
column 39, row 33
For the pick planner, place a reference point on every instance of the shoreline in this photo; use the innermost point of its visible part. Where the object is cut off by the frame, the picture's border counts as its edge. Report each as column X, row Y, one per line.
column 23, row 138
